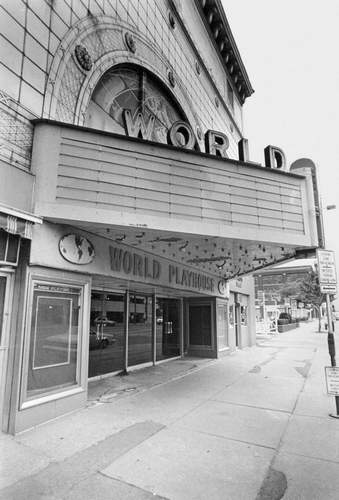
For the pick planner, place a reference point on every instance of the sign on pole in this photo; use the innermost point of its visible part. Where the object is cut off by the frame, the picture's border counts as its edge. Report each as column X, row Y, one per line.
column 331, row 289
column 332, row 380
column 326, row 267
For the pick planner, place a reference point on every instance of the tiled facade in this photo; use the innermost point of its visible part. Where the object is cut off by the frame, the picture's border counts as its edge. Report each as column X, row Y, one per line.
column 38, row 71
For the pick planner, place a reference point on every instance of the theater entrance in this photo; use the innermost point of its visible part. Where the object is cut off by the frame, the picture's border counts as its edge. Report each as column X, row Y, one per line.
column 152, row 332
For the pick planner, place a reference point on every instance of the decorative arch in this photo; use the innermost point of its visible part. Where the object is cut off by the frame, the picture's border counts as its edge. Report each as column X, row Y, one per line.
column 108, row 44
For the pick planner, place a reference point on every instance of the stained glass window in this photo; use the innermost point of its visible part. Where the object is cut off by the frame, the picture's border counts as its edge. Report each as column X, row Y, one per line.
column 137, row 90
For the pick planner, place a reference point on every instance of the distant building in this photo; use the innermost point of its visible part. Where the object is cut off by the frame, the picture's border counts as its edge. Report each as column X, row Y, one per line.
column 272, row 281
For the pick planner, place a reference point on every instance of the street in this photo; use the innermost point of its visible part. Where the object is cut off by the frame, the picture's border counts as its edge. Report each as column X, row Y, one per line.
column 253, row 425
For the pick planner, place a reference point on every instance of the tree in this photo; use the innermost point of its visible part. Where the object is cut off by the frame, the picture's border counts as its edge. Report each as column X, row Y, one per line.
column 290, row 290
column 309, row 293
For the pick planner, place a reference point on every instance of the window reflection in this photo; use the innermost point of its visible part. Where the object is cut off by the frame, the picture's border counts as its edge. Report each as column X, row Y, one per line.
column 140, row 330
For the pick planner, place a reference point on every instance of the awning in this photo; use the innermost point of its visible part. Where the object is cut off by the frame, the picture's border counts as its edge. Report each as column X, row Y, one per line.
column 17, row 222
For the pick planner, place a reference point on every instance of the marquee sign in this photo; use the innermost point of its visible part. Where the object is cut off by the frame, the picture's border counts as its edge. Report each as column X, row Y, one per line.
column 132, row 264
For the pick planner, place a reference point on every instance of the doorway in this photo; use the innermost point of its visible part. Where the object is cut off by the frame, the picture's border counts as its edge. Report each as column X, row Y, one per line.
column 200, row 331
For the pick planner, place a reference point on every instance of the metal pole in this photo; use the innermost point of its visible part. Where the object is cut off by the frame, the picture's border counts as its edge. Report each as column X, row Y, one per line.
column 125, row 370
column 154, row 328
column 331, row 344
column 181, row 328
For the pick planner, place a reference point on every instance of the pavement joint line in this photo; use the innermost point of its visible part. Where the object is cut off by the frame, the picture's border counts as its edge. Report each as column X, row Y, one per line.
column 320, row 417
column 119, row 480
column 227, row 438
column 251, row 406
column 320, row 459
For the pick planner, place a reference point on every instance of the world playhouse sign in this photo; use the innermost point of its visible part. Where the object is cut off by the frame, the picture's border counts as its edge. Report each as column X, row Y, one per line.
column 181, row 135
column 134, row 265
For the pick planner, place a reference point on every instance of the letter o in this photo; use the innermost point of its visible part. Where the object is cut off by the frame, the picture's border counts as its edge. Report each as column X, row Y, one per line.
column 181, row 129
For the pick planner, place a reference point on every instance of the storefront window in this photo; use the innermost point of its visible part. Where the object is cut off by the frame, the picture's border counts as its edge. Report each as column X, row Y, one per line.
column 54, row 339
column 135, row 89
column 168, row 328
column 140, row 330
column 107, row 333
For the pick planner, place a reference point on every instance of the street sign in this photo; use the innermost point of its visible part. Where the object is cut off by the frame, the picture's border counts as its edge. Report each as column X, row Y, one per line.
column 331, row 289
column 326, row 267
column 332, row 380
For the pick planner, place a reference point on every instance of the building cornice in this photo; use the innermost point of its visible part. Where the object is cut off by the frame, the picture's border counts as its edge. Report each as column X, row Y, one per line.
column 213, row 15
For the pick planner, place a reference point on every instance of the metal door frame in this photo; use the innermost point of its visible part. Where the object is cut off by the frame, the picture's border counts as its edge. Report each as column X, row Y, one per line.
column 8, row 274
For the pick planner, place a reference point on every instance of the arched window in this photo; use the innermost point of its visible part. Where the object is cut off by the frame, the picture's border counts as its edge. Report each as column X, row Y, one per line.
column 135, row 89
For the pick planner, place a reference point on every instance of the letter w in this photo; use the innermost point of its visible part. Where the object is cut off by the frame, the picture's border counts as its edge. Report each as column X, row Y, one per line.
column 136, row 126
column 116, row 258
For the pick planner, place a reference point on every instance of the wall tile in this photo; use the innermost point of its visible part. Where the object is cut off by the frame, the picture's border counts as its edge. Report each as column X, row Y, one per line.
column 32, row 99
column 63, row 10
column 79, row 9
column 41, row 9
column 37, row 29
column 16, row 8
column 9, row 82
column 33, row 75
column 59, row 28
column 11, row 57
column 36, row 52
column 10, row 29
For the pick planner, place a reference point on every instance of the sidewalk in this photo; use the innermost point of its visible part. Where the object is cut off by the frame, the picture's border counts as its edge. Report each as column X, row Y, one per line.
column 253, row 425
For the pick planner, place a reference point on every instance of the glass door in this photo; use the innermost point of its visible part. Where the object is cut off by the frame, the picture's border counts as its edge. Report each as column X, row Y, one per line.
column 168, row 328
column 107, row 333
column 140, row 330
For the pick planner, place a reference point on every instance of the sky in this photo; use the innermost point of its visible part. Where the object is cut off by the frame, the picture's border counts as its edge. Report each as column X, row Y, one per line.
column 290, row 49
